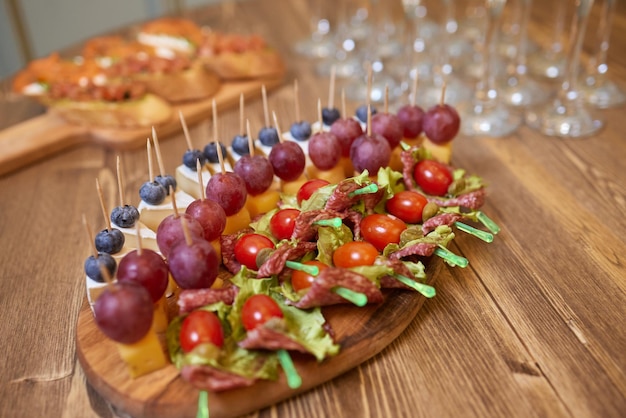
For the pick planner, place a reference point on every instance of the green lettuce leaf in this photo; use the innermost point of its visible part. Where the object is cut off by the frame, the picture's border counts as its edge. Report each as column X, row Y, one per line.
column 329, row 239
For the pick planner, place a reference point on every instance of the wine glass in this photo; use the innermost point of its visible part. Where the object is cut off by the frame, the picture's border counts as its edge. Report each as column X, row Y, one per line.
column 518, row 89
column 485, row 115
column 597, row 89
column 550, row 62
column 320, row 43
column 567, row 116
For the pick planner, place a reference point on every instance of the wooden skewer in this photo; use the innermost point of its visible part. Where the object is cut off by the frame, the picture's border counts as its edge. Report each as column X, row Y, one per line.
column 157, row 149
column 343, row 103
column 386, row 104
column 241, row 106
column 280, row 136
column 183, row 224
column 139, row 239
column 105, row 212
column 319, row 115
column 369, row 120
column 442, row 100
column 220, row 156
column 368, row 100
column 266, row 112
column 174, row 206
column 149, row 151
column 250, row 140
column 92, row 243
column 200, row 181
column 185, row 130
column 120, row 182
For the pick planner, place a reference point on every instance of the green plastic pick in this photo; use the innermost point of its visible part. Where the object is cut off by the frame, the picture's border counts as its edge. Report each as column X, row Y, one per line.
column 422, row 288
column 370, row 188
column 312, row 270
column 489, row 224
column 203, row 405
column 485, row 236
column 293, row 378
column 334, row 222
column 357, row 298
column 450, row 257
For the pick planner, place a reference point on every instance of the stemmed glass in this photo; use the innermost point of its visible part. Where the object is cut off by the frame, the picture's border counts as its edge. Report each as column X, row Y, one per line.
column 320, row 43
column 567, row 116
column 486, row 115
column 550, row 63
column 518, row 89
column 597, row 89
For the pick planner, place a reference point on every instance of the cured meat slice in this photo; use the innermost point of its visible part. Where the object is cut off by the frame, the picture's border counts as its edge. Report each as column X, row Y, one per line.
column 276, row 261
column 472, row 200
column 442, row 219
column 304, row 228
column 214, row 379
column 424, row 249
column 191, row 299
column 321, row 291
column 266, row 337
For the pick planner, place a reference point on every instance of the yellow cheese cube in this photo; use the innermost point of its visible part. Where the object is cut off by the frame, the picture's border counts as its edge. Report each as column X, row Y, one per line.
column 144, row 356
column 292, row 187
column 441, row 153
column 160, row 318
column 237, row 222
column 262, row 203
column 348, row 168
column 218, row 248
column 333, row 176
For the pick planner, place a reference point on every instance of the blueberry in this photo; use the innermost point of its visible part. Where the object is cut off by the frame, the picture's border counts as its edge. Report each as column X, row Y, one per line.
column 361, row 113
column 268, row 136
column 166, row 181
column 210, row 152
column 301, row 131
column 125, row 216
column 240, row 145
column 191, row 157
column 152, row 193
column 109, row 241
column 92, row 266
column 330, row 115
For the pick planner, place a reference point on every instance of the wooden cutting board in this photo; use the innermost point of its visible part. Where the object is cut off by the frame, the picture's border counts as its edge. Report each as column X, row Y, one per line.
column 361, row 332
column 47, row 134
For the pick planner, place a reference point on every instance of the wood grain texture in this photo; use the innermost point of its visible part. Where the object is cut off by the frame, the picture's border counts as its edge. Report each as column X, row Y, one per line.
column 532, row 328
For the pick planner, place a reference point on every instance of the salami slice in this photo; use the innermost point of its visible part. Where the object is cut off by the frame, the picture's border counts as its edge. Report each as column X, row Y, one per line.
column 214, row 379
column 276, row 261
column 191, row 299
column 266, row 337
column 442, row 219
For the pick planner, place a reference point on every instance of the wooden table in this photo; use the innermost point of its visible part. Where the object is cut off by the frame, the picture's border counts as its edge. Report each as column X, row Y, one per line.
column 533, row 327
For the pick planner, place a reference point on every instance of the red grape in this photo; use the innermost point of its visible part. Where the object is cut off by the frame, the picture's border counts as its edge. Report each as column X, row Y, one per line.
column 441, row 123
column 370, row 153
column 388, row 125
column 194, row 266
column 324, row 150
column 259, row 309
column 256, row 172
column 147, row 269
column 201, row 327
column 346, row 131
column 170, row 231
column 288, row 160
column 411, row 118
column 210, row 215
column 124, row 311
column 228, row 190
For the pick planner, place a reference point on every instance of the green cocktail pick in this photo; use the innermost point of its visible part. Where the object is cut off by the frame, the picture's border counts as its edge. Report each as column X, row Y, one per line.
column 489, row 224
column 370, row 188
column 450, row 257
column 293, row 378
column 485, row 236
column 357, row 298
column 312, row 270
column 334, row 222
column 203, row 405
column 424, row 289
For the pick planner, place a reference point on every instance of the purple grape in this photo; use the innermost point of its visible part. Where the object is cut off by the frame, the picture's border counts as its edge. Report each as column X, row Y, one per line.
column 370, row 153
column 268, row 136
column 441, row 124
column 346, row 131
column 194, row 266
column 228, row 190
column 210, row 152
column 329, row 116
column 301, row 131
column 170, row 231
column 92, row 266
column 152, row 193
column 109, row 241
column 166, row 181
column 210, row 215
column 388, row 125
column 147, row 269
column 411, row 118
column 256, row 172
column 324, row 150
column 191, row 158
column 124, row 312
column 125, row 216
column 288, row 160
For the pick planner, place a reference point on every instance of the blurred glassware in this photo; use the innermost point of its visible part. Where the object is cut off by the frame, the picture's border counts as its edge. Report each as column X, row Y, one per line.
column 596, row 88
column 486, row 114
column 567, row 115
column 517, row 88
column 320, row 43
column 550, row 62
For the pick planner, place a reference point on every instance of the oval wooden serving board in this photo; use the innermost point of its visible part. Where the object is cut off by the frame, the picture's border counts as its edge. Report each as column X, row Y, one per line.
column 361, row 332
column 44, row 135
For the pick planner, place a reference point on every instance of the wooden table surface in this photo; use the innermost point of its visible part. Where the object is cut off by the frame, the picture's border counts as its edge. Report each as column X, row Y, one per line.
column 533, row 327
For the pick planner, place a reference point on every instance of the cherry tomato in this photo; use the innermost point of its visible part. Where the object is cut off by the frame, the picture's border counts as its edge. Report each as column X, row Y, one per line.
column 201, row 327
column 308, row 188
column 379, row 230
column 302, row 280
column 249, row 246
column 407, row 205
column 355, row 253
column 283, row 222
column 259, row 309
column 433, row 177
